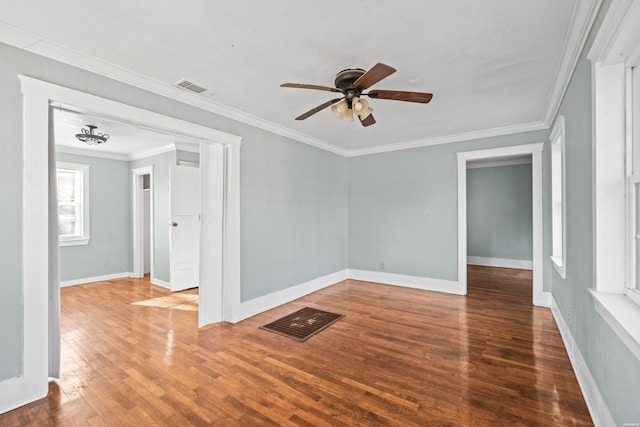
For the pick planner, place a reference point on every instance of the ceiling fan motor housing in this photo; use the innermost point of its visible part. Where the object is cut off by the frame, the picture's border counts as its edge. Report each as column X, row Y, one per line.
column 344, row 81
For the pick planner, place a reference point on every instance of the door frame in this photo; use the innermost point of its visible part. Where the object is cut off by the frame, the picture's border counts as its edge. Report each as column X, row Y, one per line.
column 540, row 297
column 220, row 275
column 138, row 222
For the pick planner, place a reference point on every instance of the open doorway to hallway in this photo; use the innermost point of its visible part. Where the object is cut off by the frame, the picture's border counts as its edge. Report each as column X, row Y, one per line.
column 499, row 214
column 539, row 296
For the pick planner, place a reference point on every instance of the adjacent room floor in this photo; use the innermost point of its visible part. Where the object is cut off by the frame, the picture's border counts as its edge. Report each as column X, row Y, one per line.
column 399, row 357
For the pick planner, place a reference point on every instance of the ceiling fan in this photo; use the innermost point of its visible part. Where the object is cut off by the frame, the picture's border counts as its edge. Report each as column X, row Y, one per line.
column 351, row 83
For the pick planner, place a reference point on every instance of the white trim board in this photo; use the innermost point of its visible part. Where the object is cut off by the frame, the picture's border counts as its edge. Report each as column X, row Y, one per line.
column 261, row 304
column 622, row 315
column 416, row 282
column 161, row 283
column 138, row 221
column 585, row 12
column 520, row 264
column 275, row 299
column 596, row 404
column 128, row 157
column 492, row 163
column 85, row 280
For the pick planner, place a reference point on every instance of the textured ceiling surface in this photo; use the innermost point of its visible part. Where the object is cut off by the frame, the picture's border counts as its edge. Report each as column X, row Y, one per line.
column 490, row 64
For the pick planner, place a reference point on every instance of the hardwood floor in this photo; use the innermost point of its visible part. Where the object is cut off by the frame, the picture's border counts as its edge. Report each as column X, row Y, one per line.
column 400, row 357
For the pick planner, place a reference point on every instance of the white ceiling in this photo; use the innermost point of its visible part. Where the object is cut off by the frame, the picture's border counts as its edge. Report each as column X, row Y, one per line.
column 494, row 66
column 127, row 140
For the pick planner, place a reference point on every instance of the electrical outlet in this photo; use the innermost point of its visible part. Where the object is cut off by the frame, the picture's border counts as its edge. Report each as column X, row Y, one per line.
column 381, row 265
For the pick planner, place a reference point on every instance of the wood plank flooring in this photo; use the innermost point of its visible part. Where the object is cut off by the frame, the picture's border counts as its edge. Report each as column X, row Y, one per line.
column 400, row 357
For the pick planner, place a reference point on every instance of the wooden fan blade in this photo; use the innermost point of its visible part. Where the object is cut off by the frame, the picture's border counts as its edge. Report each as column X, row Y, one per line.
column 318, row 108
column 316, row 87
column 374, row 75
column 398, row 95
column 367, row 121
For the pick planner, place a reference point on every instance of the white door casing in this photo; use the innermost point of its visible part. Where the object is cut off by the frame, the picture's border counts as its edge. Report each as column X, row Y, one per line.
column 184, row 234
column 138, row 222
column 37, row 97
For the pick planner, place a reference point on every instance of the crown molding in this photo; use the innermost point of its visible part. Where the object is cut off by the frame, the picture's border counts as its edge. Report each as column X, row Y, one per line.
column 152, row 152
column 22, row 39
column 91, row 153
column 491, row 163
column 88, row 152
column 618, row 37
column 468, row 136
column 582, row 19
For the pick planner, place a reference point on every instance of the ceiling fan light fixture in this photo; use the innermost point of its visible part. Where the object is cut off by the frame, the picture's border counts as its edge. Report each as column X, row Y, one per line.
column 342, row 111
column 366, row 113
column 361, row 107
column 351, row 83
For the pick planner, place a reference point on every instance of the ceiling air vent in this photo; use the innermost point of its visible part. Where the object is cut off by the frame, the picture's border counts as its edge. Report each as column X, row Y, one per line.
column 186, row 84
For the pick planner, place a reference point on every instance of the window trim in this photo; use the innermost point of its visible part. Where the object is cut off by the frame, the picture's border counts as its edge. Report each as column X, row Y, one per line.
column 558, row 225
column 632, row 167
column 83, row 238
column 615, row 50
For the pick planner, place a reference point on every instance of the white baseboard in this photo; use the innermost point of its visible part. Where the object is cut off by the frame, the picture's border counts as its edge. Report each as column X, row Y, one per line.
column 85, row 280
column 417, row 282
column 19, row 391
column 542, row 299
column 598, row 409
column 159, row 282
column 267, row 302
column 520, row 264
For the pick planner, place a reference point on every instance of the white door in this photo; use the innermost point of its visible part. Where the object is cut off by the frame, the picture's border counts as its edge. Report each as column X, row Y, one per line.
column 185, row 227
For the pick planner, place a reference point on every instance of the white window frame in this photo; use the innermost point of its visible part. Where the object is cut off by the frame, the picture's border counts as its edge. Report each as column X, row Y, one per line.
column 633, row 179
column 615, row 51
column 558, row 198
column 83, row 173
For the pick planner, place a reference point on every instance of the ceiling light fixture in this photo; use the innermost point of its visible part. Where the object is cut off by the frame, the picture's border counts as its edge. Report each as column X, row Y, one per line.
column 90, row 137
column 345, row 109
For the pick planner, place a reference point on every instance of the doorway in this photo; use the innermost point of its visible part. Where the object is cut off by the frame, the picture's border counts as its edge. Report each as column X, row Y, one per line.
column 220, row 188
column 540, row 297
column 143, row 214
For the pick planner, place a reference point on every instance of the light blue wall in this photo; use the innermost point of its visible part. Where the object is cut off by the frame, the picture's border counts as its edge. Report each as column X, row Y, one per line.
column 109, row 247
column 300, row 242
column 161, row 187
column 499, row 220
column 615, row 369
column 294, row 201
column 403, row 207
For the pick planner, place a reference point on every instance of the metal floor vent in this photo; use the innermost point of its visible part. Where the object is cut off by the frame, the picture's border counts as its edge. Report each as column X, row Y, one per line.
column 303, row 323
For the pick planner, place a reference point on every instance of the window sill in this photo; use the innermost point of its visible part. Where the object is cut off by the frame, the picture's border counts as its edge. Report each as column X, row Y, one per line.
column 622, row 315
column 558, row 264
column 74, row 241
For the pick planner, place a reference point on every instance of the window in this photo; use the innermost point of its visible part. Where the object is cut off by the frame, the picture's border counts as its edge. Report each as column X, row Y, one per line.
column 73, row 203
column 615, row 57
column 557, row 198
column 633, row 173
